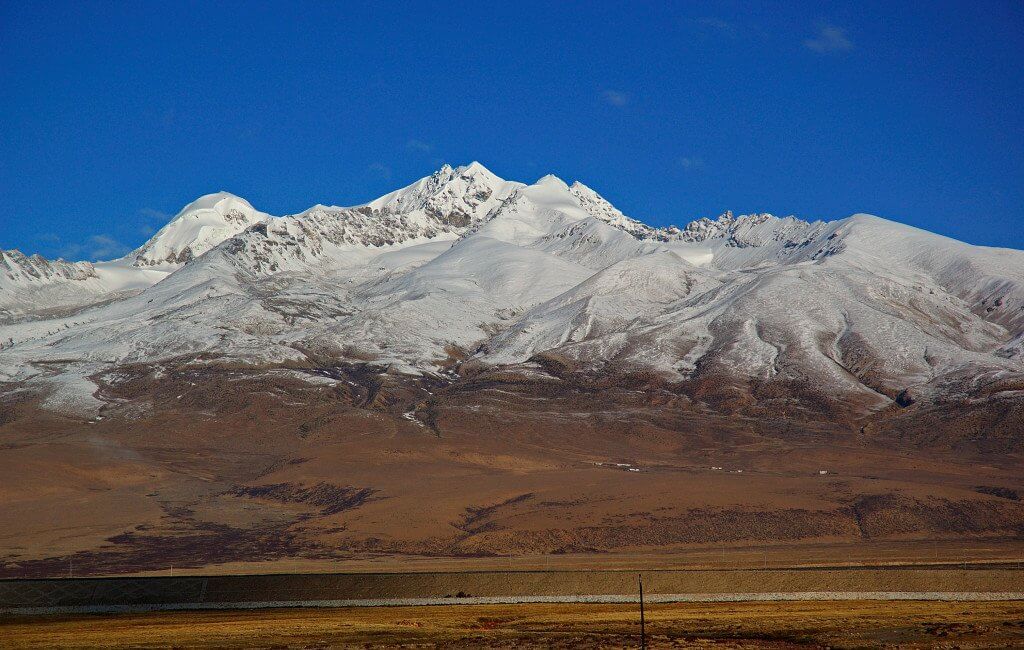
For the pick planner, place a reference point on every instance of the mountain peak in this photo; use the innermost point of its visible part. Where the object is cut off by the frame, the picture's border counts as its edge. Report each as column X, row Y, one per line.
column 475, row 168
column 454, row 196
column 198, row 227
column 550, row 180
column 211, row 201
column 724, row 225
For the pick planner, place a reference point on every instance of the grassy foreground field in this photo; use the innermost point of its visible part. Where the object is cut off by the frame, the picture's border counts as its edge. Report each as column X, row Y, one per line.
column 727, row 625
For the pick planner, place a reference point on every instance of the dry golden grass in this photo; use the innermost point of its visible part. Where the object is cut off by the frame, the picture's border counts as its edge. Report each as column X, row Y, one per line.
column 728, row 625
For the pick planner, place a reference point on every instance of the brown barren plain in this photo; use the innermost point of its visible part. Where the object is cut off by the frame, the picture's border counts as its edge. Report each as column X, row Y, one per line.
column 233, row 470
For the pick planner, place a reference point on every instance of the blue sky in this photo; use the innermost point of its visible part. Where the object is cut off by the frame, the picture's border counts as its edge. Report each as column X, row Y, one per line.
column 114, row 116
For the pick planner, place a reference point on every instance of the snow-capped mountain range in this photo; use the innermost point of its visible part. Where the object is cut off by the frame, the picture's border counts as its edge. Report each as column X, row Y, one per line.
column 463, row 270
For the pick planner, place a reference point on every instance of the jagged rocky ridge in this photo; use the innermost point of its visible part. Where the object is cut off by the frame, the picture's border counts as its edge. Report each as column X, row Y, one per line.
column 462, row 272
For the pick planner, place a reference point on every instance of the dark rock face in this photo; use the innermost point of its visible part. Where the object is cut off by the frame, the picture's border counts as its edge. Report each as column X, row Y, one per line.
column 904, row 398
column 1001, row 492
column 331, row 499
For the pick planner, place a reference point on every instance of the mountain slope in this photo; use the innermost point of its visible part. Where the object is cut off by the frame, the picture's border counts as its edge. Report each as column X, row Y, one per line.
column 34, row 287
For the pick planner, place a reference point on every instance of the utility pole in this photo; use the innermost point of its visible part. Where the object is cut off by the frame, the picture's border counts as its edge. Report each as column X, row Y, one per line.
column 643, row 635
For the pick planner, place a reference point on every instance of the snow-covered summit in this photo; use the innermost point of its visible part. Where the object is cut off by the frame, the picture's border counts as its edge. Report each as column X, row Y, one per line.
column 455, row 197
column 32, row 286
column 439, row 207
column 198, row 227
column 738, row 228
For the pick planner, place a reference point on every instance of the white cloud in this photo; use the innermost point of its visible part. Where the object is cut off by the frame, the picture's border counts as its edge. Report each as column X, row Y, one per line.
column 691, row 163
column 418, row 145
column 157, row 215
column 381, row 170
column 103, row 246
column 723, row 27
column 97, row 247
column 829, row 39
column 615, row 97
column 153, row 220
